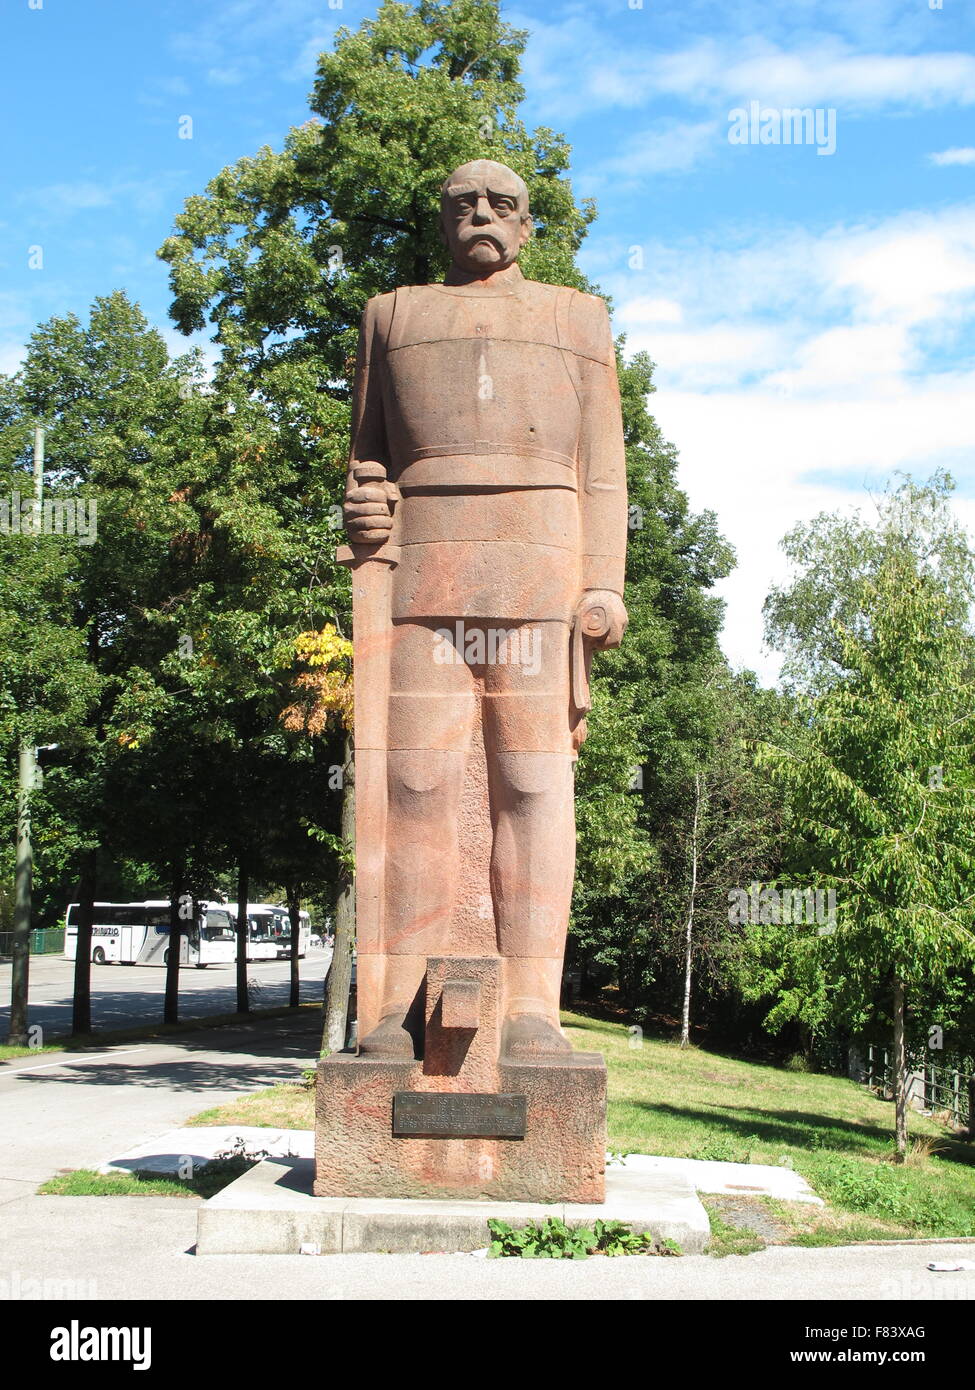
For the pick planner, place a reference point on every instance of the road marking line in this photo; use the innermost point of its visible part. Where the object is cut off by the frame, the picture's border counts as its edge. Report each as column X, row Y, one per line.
column 88, row 1056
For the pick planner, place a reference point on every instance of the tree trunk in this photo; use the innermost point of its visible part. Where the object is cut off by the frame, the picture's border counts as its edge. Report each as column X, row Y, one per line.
column 339, row 978
column 900, row 1070
column 81, row 1010
column 294, row 908
column 685, row 1027
column 171, row 1006
column 243, row 888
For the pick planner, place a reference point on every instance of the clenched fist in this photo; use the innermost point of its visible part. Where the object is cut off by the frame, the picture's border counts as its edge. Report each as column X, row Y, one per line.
column 602, row 617
column 368, row 511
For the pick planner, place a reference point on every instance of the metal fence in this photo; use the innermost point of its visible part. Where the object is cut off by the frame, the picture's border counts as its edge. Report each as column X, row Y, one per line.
column 44, row 941
column 948, row 1089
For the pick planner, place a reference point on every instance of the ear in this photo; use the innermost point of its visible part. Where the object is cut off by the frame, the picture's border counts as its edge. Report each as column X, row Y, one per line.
column 527, row 230
column 441, row 231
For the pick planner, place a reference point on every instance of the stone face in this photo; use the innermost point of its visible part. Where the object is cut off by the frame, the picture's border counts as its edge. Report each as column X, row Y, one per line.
column 486, row 510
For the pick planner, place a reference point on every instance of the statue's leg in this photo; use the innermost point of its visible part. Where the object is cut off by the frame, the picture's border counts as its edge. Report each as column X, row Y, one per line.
column 431, row 713
column 529, row 744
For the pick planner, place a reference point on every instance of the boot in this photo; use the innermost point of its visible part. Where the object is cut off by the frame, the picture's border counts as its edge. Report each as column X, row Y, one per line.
column 389, row 1040
column 531, row 1038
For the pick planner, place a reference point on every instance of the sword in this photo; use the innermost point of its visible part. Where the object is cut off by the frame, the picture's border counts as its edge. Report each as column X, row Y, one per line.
column 371, row 566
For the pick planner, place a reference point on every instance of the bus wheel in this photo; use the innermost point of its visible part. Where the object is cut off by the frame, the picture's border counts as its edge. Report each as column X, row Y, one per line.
column 202, row 965
column 98, row 956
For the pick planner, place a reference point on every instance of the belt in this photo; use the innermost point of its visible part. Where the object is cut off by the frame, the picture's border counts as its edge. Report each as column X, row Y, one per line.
column 487, row 465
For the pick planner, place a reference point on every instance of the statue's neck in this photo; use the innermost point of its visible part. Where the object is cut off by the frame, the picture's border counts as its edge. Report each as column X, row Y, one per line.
column 504, row 281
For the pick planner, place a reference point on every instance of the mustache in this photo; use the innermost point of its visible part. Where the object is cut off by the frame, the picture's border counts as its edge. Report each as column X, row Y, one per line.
column 480, row 235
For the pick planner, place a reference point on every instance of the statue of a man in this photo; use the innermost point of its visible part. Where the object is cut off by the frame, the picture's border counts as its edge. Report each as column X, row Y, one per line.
column 487, row 416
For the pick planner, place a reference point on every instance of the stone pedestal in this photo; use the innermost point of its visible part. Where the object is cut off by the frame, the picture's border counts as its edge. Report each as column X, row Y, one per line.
column 460, row 1122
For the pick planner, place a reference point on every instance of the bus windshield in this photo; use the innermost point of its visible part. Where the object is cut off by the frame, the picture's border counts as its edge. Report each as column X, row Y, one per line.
column 218, row 927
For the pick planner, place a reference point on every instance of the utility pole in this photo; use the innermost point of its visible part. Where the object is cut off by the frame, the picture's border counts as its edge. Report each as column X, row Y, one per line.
column 26, row 782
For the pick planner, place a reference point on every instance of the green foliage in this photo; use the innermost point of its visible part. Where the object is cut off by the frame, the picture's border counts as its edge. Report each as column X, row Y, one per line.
column 879, row 784
column 730, row 1240
column 719, row 1148
column 797, row 1062
column 888, row 1192
column 552, row 1239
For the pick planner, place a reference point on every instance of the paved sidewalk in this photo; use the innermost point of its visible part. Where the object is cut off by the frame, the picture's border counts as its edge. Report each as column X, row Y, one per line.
column 74, row 1110
column 141, row 1247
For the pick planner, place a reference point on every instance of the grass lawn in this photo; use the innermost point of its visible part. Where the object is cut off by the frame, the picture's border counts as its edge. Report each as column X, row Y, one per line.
column 10, row 1054
column 696, row 1104
column 206, row 1180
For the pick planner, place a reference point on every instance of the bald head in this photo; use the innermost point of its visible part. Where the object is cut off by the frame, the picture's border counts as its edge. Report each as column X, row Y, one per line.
column 483, row 174
column 484, row 216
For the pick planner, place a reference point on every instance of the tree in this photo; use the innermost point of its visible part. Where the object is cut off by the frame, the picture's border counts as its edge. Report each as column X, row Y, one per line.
column 835, row 554
column 734, row 823
column 882, row 786
column 46, row 686
column 324, row 697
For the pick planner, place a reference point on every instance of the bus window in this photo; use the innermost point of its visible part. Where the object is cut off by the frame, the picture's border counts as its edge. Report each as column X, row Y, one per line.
column 219, row 927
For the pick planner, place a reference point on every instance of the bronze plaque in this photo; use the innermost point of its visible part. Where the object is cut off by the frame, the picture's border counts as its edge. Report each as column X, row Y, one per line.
column 458, row 1115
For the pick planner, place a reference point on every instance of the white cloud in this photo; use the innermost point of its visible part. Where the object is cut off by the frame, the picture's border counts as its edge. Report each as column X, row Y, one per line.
column 667, row 148
column 225, row 77
column 69, row 197
column 11, row 357
column 844, row 360
column 763, row 462
column 716, row 355
column 56, row 201
column 578, row 65
column 799, row 374
column 647, row 310
column 231, row 32
column 964, row 154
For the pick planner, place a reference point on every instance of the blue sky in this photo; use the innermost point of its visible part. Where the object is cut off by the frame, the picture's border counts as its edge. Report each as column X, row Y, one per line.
column 812, row 314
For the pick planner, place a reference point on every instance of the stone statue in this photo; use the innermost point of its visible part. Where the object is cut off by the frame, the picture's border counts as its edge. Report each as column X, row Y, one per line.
column 491, row 404
column 486, row 510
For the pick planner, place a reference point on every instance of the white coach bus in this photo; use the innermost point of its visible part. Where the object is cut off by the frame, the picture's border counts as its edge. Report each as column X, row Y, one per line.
column 269, row 931
column 138, row 934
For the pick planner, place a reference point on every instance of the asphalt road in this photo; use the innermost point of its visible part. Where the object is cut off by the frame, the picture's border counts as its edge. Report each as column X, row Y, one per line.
column 124, row 995
column 80, row 1109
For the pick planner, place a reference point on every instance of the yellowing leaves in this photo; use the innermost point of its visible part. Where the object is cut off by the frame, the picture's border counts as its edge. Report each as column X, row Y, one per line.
column 324, row 648
column 325, row 692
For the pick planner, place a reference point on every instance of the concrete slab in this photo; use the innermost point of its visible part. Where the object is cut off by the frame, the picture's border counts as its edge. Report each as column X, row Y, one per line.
column 270, row 1210
column 736, row 1179
column 12, row 1189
